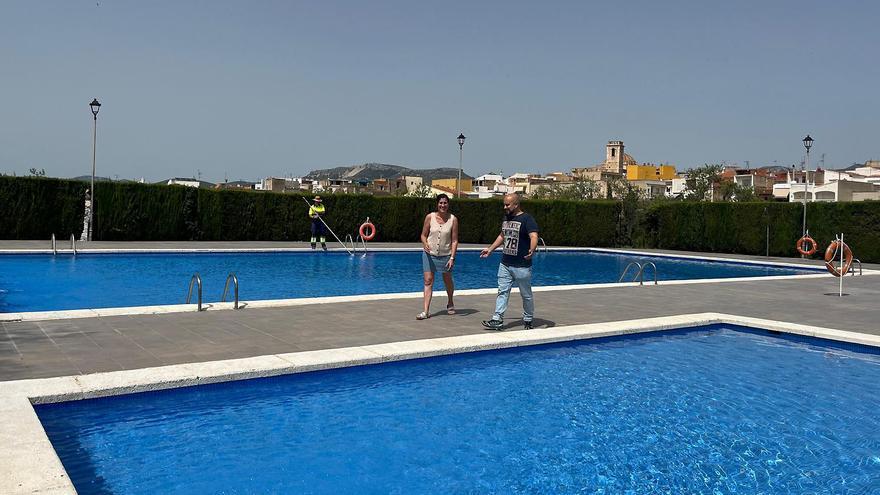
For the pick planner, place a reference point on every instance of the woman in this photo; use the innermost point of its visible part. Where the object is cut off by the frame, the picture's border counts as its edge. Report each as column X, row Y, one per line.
column 440, row 242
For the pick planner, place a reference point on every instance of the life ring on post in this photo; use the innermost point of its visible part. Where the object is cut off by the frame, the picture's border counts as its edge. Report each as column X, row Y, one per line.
column 367, row 230
column 802, row 245
column 832, row 254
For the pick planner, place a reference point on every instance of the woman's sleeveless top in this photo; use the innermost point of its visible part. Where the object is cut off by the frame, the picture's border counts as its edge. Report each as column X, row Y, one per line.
column 440, row 236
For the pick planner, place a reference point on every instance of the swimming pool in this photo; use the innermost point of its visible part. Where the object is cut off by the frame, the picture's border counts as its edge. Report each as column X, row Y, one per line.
column 720, row 409
column 42, row 283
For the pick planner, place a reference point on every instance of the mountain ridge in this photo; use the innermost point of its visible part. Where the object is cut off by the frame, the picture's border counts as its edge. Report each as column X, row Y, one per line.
column 371, row 171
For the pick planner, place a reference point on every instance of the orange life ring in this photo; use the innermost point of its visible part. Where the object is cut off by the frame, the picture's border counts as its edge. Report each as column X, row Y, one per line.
column 831, row 255
column 802, row 243
column 363, row 230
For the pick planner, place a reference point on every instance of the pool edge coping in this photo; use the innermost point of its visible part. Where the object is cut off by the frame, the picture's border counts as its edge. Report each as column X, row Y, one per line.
column 30, row 464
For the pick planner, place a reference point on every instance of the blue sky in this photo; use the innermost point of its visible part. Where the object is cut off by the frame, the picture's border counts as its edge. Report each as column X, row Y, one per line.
column 249, row 89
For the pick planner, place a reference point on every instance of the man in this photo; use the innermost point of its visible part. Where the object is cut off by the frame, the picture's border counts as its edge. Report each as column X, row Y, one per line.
column 519, row 236
column 316, row 210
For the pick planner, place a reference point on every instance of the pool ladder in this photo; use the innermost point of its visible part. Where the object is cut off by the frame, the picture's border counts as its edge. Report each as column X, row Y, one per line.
column 353, row 250
column 196, row 279
column 541, row 241
column 852, row 271
column 72, row 245
column 234, row 280
column 640, row 274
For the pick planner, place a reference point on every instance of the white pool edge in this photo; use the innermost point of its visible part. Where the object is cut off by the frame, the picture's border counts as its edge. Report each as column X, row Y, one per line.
column 29, row 464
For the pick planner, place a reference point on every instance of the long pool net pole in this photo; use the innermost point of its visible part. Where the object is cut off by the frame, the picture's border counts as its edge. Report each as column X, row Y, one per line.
column 328, row 228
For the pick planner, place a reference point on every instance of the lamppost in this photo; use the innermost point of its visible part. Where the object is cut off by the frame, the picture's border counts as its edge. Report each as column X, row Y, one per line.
column 461, row 139
column 808, row 142
column 95, row 106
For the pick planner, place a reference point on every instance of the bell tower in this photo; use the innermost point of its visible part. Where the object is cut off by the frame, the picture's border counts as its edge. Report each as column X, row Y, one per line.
column 614, row 161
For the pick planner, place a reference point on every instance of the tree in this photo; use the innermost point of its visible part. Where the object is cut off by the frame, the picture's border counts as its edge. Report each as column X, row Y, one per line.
column 423, row 191
column 581, row 189
column 701, row 180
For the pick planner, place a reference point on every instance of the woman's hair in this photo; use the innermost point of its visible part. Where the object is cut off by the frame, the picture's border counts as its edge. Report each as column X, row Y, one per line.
column 442, row 196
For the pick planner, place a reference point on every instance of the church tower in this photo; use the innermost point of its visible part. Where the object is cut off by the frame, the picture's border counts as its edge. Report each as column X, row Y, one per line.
column 614, row 161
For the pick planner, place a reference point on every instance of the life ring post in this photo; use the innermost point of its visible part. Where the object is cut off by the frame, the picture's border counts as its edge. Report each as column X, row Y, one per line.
column 838, row 251
column 806, row 245
column 367, row 230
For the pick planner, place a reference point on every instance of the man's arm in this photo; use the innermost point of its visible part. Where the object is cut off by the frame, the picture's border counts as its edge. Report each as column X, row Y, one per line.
column 488, row 250
column 533, row 244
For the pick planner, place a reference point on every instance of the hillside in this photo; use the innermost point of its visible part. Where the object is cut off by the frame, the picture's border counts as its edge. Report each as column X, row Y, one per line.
column 370, row 171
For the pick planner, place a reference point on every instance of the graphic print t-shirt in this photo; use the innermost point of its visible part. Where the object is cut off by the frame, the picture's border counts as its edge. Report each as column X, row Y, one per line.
column 515, row 231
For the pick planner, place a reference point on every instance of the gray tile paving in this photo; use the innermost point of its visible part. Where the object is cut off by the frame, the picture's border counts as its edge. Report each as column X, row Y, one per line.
column 78, row 346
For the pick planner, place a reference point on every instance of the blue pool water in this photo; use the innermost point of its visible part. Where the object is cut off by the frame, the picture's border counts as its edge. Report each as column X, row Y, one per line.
column 42, row 282
column 716, row 409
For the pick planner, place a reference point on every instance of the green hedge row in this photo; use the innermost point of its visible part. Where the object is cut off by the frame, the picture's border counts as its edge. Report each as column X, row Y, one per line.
column 34, row 208
column 743, row 227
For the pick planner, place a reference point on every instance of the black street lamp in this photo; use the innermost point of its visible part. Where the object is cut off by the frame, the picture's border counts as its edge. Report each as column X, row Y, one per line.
column 94, row 106
column 461, row 139
column 808, row 143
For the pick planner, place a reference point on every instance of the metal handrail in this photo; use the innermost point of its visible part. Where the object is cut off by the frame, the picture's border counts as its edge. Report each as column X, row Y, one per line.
column 853, row 272
column 541, row 240
column 348, row 238
column 195, row 279
column 54, row 248
column 641, row 274
column 234, row 279
column 631, row 263
column 73, row 244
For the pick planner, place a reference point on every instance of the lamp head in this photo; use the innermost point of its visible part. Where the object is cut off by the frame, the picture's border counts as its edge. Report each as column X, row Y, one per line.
column 461, row 139
column 95, row 106
column 808, row 143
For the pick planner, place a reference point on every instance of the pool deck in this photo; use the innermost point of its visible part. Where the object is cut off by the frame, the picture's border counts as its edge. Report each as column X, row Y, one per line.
column 79, row 346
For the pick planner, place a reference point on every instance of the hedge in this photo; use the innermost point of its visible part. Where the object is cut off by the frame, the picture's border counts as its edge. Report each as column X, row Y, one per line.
column 34, row 208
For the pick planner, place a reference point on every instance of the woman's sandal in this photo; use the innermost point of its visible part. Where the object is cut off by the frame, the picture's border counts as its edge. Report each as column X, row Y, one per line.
column 422, row 316
column 450, row 309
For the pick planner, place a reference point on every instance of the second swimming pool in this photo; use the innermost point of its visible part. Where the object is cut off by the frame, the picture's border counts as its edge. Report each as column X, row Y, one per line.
column 39, row 282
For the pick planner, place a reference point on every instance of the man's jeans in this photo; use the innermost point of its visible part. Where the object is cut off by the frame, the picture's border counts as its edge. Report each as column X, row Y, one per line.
column 507, row 275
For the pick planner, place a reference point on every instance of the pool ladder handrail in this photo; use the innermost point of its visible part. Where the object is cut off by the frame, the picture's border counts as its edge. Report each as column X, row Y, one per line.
column 195, row 279
column 623, row 273
column 852, row 271
column 55, row 244
column 234, row 279
column 353, row 250
column 541, row 241
column 640, row 273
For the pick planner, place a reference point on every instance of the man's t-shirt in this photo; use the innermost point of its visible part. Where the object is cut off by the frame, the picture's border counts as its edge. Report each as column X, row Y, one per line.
column 515, row 231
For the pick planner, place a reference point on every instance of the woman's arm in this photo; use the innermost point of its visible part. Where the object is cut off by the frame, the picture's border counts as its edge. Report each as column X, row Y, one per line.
column 454, row 242
column 426, row 228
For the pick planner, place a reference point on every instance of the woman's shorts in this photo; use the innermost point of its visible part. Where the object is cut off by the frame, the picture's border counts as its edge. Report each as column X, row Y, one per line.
column 431, row 263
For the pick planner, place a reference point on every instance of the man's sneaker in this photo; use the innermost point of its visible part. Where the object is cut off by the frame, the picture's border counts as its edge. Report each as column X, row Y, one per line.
column 527, row 325
column 493, row 324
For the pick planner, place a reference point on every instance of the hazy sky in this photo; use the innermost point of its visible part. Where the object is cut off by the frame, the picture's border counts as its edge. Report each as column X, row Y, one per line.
column 250, row 89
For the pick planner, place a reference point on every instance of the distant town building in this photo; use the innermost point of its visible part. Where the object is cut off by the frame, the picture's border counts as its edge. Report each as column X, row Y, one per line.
column 238, row 184
column 406, row 184
column 451, row 184
column 650, row 172
column 188, row 182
